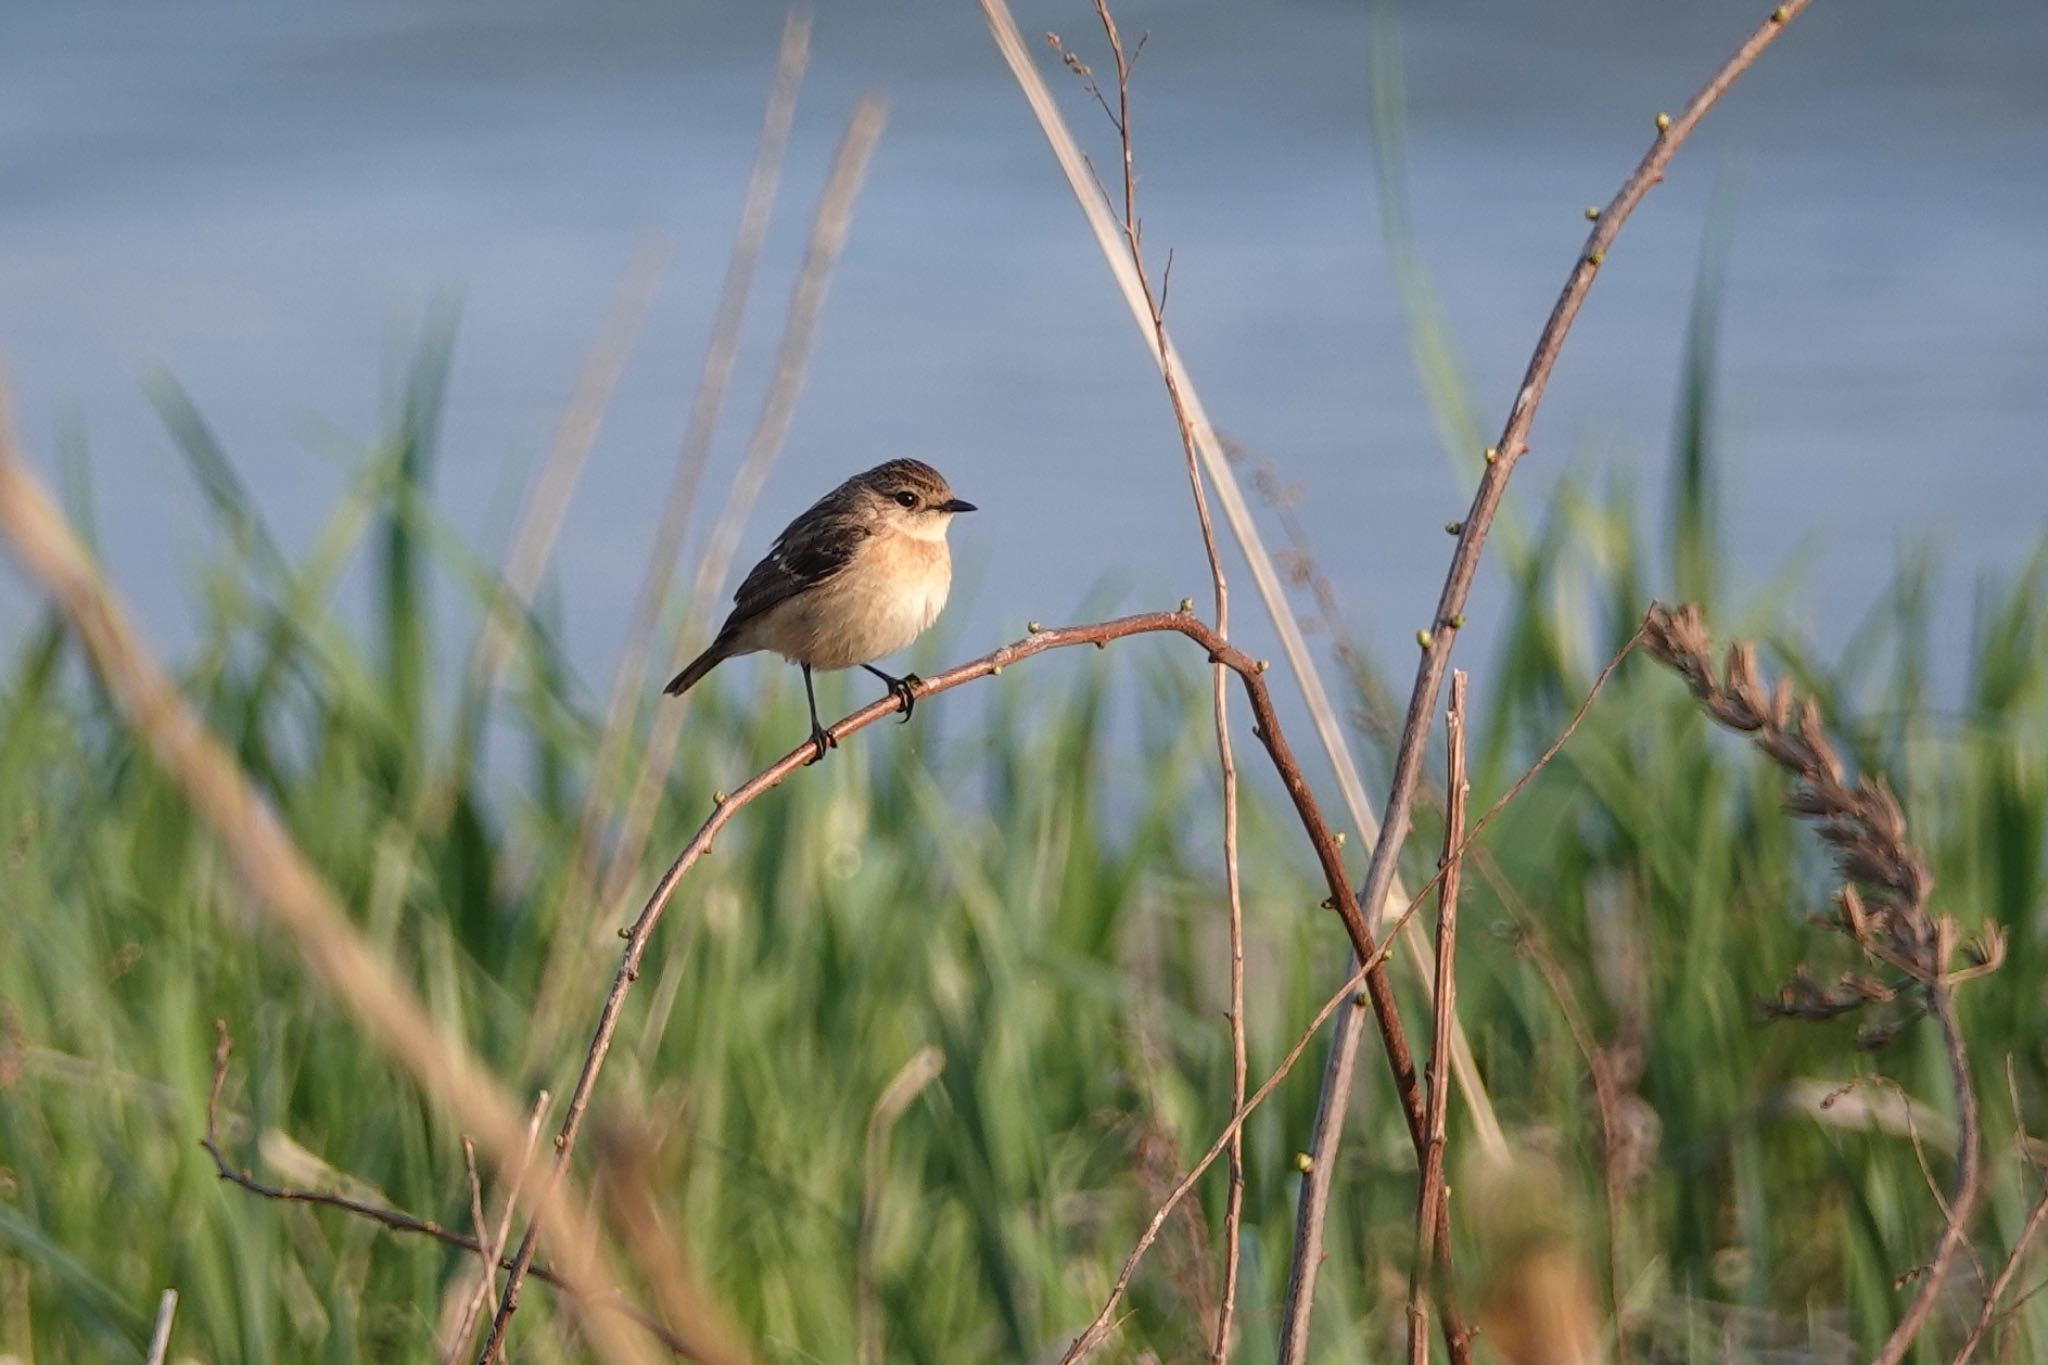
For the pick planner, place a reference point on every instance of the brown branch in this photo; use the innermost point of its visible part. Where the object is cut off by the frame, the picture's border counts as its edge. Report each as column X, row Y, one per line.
column 397, row 1220
column 1251, row 673
column 1090, row 1337
column 1883, row 899
column 1432, row 1199
column 1440, row 636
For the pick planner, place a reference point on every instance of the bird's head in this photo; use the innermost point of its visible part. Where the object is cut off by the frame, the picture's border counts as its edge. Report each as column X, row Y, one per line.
column 912, row 497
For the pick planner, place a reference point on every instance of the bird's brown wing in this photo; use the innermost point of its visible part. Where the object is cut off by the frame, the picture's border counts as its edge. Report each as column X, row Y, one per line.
column 811, row 550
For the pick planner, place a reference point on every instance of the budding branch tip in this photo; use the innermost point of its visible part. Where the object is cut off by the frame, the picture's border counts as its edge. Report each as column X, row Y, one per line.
column 1424, row 638
column 1663, row 122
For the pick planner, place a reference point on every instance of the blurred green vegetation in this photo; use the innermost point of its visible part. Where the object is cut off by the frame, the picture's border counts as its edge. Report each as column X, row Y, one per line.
column 1042, row 907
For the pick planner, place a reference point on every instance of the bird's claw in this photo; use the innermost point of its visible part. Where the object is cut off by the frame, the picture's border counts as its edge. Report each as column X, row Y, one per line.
column 905, row 690
column 823, row 739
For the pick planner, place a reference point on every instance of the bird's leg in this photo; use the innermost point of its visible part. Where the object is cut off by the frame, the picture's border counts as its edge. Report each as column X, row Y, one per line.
column 820, row 736
column 904, row 689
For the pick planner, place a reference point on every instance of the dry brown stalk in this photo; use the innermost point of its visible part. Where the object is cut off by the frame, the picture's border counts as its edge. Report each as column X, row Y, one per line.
column 1155, row 305
column 575, row 437
column 1090, row 195
column 1440, row 636
column 1432, row 1198
column 629, row 681
column 1883, row 901
column 285, row 885
column 909, row 1082
column 484, row 1297
column 397, row 1220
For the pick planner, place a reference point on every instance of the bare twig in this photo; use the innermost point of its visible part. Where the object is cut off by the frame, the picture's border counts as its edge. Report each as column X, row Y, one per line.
column 1440, row 636
column 1155, row 305
column 909, row 1082
column 491, row 1253
column 284, row 883
column 1431, row 1202
column 1883, row 900
column 397, row 1220
column 160, row 1336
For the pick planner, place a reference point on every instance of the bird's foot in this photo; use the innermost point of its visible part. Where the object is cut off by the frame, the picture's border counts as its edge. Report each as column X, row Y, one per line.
column 905, row 689
column 823, row 739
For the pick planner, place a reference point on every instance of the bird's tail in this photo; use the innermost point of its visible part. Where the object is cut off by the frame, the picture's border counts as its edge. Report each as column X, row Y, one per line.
column 718, row 653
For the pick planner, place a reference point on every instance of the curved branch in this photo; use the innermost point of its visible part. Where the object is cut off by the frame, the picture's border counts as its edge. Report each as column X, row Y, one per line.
column 1251, row 672
column 1441, row 635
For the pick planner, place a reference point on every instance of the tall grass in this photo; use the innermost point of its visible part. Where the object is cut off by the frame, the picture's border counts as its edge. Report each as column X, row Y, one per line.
column 1036, row 905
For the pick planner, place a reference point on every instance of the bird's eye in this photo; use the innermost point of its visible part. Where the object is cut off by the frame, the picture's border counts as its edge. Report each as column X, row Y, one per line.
column 906, row 498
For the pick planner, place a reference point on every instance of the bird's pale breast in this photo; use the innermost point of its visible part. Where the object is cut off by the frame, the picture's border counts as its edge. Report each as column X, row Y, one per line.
column 887, row 597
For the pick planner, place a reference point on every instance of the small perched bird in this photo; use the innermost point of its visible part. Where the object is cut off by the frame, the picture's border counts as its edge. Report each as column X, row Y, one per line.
column 858, row 576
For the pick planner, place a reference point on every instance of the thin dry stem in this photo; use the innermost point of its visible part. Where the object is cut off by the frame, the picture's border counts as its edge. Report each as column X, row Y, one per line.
column 284, row 883
column 827, row 238
column 569, row 454
column 1440, row 637
column 1989, row 1311
column 909, row 1082
column 160, row 1335
column 1432, row 1198
column 629, row 681
column 484, row 1297
column 1233, row 1214
column 1094, row 205
column 807, row 303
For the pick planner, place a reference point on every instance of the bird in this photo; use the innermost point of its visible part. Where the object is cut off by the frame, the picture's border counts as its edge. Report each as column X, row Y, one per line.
column 858, row 576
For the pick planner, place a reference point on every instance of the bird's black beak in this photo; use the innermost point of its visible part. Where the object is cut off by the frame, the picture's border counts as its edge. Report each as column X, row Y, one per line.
column 957, row 505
